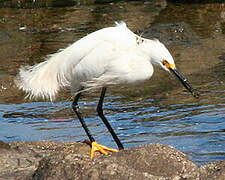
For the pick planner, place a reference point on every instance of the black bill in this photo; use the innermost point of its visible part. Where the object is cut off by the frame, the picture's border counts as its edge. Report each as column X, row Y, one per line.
column 185, row 82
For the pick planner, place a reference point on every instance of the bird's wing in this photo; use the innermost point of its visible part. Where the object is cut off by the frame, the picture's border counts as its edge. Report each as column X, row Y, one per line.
column 119, row 36
column 45, row 79
column 127, row 67
column 97, row 47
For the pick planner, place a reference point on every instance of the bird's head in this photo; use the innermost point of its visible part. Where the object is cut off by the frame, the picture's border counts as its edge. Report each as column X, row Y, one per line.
column 159, row 55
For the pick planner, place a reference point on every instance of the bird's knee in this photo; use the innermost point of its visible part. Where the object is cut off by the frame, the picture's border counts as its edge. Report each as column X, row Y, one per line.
column 75, row 106
column 99, row 111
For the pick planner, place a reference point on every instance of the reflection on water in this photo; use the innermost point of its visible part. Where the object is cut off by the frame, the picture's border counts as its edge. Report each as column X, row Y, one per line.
column 158, row 111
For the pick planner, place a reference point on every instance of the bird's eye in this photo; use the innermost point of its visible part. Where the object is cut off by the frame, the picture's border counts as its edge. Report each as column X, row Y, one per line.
column 165, row 63
column 168, row 65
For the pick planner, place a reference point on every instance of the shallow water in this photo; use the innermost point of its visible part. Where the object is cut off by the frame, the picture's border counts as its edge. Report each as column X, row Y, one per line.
column 158, row 111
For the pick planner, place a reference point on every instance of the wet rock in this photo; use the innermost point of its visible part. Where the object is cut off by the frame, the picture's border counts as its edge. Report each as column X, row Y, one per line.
column 213, row 171
column 4, row 36
column 4, row 145
column 63, row 161
column 222, row 57
column 48, row 3
column 172, row 33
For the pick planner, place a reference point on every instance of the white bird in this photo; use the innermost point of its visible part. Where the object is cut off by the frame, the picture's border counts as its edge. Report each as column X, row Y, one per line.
column 108, row 57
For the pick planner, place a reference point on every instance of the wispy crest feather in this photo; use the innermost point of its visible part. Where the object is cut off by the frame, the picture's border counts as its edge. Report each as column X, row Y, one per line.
column 120, row 23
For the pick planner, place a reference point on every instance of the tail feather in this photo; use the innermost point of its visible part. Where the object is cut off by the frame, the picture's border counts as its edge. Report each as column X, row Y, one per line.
column 42, row 80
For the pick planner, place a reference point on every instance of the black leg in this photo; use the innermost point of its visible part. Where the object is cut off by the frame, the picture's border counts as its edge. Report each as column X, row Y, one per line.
column 101, row 115
column 78, row 113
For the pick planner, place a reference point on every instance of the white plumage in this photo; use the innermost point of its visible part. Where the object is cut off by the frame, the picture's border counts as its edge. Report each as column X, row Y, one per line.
column 110, row 56
column 113, row 55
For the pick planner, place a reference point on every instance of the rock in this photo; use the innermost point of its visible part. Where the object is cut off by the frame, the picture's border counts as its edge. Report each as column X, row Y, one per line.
column 4, row 36
column 16, row 163
column 64, row 161
column 222, row 57
column 4, row 145
column 213, row 171
column 19, row 160
column 152, row 161
column 47, row 3
column 172, row 33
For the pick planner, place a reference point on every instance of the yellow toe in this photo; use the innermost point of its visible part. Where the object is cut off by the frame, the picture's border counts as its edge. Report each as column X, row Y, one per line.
column 95, row 147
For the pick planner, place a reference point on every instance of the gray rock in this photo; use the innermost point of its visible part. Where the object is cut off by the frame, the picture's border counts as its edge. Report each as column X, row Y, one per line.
column 213, row 171
column 152, row 161
column 19, row 160
column 64, row 161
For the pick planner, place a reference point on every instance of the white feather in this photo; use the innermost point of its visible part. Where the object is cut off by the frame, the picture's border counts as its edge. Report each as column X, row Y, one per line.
column 109, row 56
column 44, row 80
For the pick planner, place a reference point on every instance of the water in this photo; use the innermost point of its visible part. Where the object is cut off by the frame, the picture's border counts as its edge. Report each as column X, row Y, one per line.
column 158, row 111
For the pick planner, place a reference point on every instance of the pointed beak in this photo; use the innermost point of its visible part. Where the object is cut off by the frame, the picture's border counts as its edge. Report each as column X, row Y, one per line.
column 182, row 79
column 185, row 82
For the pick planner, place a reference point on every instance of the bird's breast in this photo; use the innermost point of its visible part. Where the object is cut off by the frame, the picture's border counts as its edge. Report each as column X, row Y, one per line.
column 131, row 68
column 141, row 71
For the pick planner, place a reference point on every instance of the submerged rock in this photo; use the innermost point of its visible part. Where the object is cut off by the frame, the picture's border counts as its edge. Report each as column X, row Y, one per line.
column 63, row 161
column 172, row 34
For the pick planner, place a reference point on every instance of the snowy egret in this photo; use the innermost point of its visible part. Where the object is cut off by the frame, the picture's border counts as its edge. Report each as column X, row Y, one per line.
column 108, row 57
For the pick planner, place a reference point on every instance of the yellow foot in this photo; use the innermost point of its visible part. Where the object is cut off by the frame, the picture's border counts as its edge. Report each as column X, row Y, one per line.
column 95, row 147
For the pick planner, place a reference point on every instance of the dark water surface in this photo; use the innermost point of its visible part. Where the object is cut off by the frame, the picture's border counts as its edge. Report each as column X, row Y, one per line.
column 158, row 111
